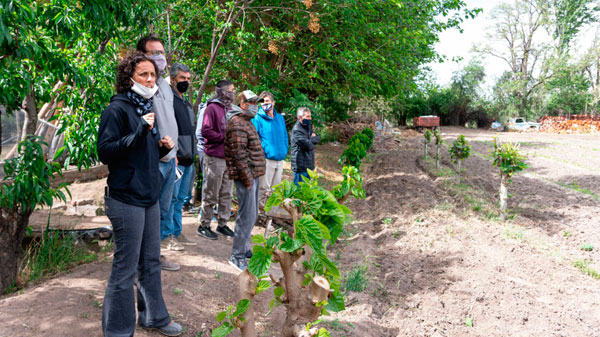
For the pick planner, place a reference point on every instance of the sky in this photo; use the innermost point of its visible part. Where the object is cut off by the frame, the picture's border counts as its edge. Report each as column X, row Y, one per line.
column 453, row 44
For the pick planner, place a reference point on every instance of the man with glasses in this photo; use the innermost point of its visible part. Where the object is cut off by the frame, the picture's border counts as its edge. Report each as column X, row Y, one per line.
column 167, row 126
column 217, row 188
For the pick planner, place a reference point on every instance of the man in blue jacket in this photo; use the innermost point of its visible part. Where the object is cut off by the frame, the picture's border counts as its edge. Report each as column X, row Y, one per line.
column 273, row 134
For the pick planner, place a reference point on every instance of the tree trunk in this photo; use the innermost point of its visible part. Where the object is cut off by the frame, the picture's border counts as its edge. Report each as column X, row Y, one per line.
column 425, row 151
column 12, row 227
column 437, row 158
column 503, row 196
column 247, row 290
column 458, row 171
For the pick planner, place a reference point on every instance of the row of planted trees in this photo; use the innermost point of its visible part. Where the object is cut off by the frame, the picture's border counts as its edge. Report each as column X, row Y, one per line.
column 506, row 157
column 310, row 284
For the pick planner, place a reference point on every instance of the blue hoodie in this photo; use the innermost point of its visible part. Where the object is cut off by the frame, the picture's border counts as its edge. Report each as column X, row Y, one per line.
column 273, row 134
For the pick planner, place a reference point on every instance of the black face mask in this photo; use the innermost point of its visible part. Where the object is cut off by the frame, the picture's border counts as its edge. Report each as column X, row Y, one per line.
column 183, row 86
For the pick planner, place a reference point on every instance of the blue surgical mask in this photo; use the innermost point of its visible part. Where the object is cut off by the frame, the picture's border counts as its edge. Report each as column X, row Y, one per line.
column 306, row 122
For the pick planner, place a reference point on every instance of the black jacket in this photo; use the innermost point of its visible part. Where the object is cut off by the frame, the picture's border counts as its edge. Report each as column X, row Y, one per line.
column 131, row 152
column 303, row 148
column 184, row 115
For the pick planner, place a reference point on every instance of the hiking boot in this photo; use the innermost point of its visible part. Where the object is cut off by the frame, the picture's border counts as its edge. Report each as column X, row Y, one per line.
column 168, row 265
column 170, row 243
column 239, row 264
column 225, row 230
column 249, row 254
column 205, row 231
column 172, row 329
column 184, row 240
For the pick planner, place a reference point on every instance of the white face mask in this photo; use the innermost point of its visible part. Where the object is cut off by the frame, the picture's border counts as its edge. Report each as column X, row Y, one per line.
column 143, row 90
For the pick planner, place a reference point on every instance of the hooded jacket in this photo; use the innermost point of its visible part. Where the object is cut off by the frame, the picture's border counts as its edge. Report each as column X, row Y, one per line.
column 165, row 115
column 303, row 148
column 273, row 134
column 213, row 128
column 131, row 152
column 243, row 151
column 184, row 115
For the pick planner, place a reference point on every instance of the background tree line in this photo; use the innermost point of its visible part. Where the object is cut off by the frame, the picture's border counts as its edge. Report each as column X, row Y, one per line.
column 546, row 74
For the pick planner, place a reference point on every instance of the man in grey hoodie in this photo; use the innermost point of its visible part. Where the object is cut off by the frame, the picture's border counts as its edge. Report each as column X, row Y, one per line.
column 167, row 126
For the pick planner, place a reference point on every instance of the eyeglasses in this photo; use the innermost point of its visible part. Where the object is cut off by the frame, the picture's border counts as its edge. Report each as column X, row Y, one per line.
column 156, row 52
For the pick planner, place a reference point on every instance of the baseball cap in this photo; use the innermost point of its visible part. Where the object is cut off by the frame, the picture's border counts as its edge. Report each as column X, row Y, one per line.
column 252, row 97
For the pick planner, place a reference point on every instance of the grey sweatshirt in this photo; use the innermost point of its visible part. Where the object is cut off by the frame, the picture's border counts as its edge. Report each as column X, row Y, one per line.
column 165, row 115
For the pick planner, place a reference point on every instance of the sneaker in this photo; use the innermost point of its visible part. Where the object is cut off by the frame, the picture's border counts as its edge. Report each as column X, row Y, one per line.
column 225, row 230
column 249, row 254
column 172, row 329
column 168, row 265
column 170, row 243
column 184, row 240
column 239, row 264
column 205, row 231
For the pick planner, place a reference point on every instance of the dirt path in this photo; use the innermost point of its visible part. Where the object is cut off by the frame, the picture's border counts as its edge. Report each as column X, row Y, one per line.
column 434, row 252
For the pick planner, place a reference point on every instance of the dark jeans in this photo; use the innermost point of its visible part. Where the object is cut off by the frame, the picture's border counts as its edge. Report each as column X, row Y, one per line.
column 298, row 177
column 137, row 251
column 246, row 217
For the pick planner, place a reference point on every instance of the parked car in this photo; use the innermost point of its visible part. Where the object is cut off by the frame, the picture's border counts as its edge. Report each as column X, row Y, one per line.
column 520, row 124
column 497, row 126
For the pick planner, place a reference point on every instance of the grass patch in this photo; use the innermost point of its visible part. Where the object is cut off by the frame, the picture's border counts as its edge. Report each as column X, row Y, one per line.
column 356, row 279
column 575, row 187
column 584, row 267
column 54, row 253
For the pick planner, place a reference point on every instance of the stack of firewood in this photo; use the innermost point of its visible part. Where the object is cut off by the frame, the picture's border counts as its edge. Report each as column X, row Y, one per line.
column 571, row 124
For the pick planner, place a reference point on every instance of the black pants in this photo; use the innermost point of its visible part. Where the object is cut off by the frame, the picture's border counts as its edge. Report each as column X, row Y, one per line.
column 137, row 251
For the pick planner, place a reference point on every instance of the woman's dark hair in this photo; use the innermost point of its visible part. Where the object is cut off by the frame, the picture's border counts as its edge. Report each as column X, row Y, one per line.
column 126, row 69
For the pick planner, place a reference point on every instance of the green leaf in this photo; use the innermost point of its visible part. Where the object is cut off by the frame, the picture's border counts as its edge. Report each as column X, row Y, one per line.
column 323, row 333
column 469, row 321
column 307, row 229
column 222, row 331
column 262, row 286
column 258, row 239
column 260, row 261
column 336, row 302
column 241, row 307
column 221, row 316
column 289, row 245
column 278, row 291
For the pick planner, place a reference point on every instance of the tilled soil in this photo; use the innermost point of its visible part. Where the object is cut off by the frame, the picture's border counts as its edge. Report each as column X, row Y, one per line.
column 437, row 260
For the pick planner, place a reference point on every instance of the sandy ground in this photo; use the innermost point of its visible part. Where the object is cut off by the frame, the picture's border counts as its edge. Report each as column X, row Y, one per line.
column 435, row 253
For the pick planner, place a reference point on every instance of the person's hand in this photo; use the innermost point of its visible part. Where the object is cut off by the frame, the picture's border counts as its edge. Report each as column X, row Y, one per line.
column 313, row 135
column 167, row 142
column 149, row 118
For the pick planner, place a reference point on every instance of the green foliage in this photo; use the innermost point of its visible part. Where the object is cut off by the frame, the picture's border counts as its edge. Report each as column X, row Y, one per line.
column 438, row 137
column 74, row 45
column 54, row 253
column 427, row 135
column 508, row 158
column 231, row 318
column 350, row 185
column 587, row 247
column 356, row 280
column 584, row 267
column 460, row 150
column 320, row 225
column 28, row 179
column 358, row 145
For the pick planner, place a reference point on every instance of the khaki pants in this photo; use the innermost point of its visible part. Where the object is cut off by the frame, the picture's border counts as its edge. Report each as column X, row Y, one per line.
column 217, row 189
column 271, row 178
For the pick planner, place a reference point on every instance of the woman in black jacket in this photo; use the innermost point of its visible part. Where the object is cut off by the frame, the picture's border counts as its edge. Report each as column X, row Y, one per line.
column 129, row 143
